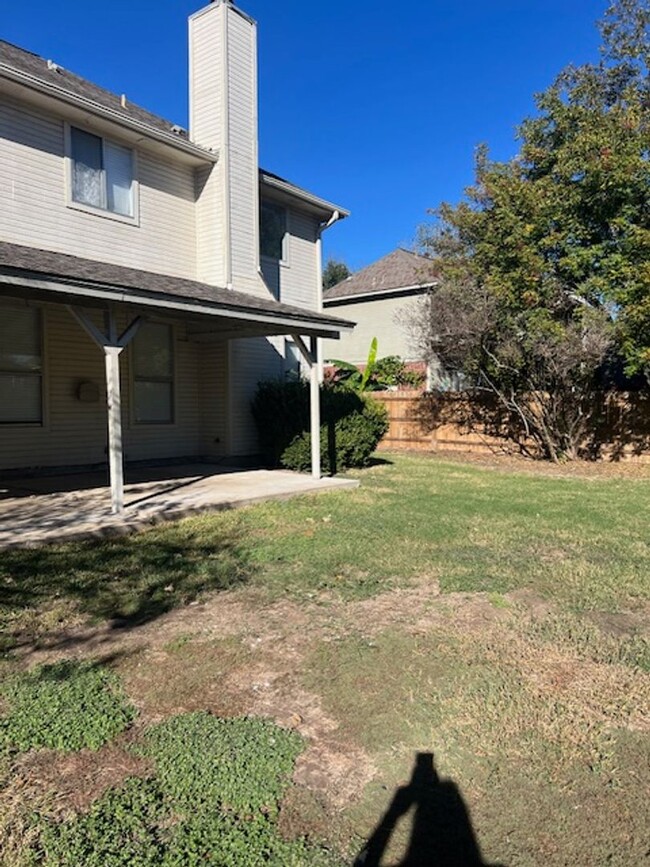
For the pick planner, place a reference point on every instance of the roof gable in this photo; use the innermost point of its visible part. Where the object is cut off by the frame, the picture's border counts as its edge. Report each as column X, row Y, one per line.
column 400, row 269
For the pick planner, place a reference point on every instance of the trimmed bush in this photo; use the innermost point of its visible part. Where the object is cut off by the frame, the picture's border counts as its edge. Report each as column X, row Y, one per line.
column 346, row 442
column 353, row 424
column 280, row 409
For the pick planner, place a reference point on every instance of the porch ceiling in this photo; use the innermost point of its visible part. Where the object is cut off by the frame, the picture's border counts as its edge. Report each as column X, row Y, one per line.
column 218, row 312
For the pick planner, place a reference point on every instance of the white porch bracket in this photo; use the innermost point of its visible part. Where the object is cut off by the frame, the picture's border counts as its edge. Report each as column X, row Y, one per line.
column 112, row 345
column 311, row 357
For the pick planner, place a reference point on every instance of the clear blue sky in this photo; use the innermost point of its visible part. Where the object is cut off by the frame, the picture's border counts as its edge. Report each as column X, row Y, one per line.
column 376, row 106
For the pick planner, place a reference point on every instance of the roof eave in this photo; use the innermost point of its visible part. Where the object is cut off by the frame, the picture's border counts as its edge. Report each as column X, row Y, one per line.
column 65, row 286
column 325, row 208
column 375, row 294
column 81, row 102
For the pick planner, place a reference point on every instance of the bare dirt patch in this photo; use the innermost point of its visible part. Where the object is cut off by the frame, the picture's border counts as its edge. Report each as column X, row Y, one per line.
column 528, row 702
column 72, row 781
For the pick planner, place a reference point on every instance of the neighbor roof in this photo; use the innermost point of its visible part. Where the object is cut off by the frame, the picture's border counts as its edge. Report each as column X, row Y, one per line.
column 400, row 269
column 42, row 269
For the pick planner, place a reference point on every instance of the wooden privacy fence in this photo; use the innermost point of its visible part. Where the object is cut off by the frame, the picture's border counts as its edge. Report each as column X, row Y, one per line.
column 410, row 428
column 422, row 422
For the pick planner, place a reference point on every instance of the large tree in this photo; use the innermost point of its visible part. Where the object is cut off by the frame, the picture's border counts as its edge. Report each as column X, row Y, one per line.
column 546, row 263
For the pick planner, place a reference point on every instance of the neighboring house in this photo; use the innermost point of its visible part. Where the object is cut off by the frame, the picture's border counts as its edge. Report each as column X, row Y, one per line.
column 376, row 298
column 149, row 276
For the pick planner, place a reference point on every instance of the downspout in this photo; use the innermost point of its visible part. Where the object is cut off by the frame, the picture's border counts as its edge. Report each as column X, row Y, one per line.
column 319, row 271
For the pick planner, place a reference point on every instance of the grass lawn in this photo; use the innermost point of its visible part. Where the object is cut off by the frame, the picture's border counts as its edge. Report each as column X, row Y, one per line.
column 458, row 647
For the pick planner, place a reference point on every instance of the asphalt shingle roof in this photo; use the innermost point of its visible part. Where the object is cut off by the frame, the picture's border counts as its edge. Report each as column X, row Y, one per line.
column 33, row 64
column 50, row 72
column 397, row 270
column 17, row 260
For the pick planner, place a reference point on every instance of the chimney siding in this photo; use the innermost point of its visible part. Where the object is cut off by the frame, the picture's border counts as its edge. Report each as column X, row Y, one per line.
column 223, row 116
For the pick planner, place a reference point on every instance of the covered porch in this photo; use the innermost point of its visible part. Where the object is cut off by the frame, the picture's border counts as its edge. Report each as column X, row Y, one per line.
column 40, row 510
column 82, row 387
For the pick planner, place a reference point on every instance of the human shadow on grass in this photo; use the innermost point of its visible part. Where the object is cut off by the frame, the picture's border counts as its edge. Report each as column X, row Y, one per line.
column 441, row 833
column 127, row 580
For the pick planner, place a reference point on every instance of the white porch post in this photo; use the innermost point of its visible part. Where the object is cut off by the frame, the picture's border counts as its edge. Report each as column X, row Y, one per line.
column 314, row 409
column 112, row 345
column 311, row 357
column 113, row 398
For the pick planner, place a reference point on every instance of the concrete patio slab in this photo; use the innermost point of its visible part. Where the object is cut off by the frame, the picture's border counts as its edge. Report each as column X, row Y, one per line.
column 48, row 509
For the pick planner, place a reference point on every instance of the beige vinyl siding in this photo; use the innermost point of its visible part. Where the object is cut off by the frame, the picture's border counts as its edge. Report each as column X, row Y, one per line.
column 376, row 318
column 242, row 155
column 223, row 116
column 34, row 210
column 74, row 432
column 299, row 280
column 213, row 390
column 206, row 129
column 295, row 280
column 251, row 360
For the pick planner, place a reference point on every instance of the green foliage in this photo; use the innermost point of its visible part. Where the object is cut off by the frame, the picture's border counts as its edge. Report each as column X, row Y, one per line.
column 213, row 801
column 378, row 374
column 334, row 272
column 546, row 264
column 66, row 706
column 348, row 442
column 352, row 377
column 241, row 765
column 391, row 371
column 121, row 829
column 281, row 413
column 280, row 410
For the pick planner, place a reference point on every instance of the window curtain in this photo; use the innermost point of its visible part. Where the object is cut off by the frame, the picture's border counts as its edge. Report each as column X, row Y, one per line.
column 87, row 187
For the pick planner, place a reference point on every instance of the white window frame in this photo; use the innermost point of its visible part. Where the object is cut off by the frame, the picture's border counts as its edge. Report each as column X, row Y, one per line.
column 284, row 261
column 133, row 220
column 42, row 422
column 135, row 422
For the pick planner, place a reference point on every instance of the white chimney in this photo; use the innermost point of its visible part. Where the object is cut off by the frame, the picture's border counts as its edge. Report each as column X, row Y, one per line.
column 223, row 117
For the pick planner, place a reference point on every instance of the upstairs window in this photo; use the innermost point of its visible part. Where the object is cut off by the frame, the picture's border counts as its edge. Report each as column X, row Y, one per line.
column 102, row 173
column 153, row 374
column 21, row 366
column 273, row 231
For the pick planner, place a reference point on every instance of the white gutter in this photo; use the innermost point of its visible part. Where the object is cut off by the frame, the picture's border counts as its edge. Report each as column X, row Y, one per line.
column 305, row 196
column 82, row 102
column 380, row 293
column 120, row 296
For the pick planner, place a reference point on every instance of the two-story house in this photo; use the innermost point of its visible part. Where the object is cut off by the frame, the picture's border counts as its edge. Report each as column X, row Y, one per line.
column 149, row 276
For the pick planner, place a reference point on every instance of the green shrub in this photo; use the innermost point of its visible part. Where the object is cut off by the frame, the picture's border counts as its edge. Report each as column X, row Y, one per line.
column 281, row 412
column 65, row 706
column 243, row 765
column 348, row 442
